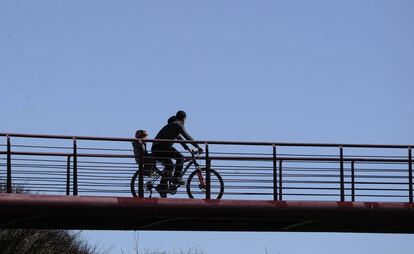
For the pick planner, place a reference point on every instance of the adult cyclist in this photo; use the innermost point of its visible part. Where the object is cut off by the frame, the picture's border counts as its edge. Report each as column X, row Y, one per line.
column 165, row 152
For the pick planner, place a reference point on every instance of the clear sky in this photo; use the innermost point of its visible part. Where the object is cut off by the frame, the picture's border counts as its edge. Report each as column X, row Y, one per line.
column 297, row 71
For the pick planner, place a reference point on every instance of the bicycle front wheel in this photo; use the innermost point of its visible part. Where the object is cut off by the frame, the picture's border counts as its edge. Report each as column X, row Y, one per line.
column 196, row 186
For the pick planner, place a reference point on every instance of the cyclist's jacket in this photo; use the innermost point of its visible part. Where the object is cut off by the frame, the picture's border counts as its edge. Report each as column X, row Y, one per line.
column 173, row 130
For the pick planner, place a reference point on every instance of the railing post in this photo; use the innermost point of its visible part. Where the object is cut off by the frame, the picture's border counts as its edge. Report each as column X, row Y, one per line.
column 208, row 174
column 353, row 180
column 410, row 174
column 75, row 168
column 274, row 173
column 141, row 175
column 68, row 176
column 280, row 180
column 342, row 175
column 9, row 172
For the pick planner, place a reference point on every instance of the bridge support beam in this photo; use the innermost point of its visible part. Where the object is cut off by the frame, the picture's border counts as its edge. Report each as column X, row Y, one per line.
column 124, row 213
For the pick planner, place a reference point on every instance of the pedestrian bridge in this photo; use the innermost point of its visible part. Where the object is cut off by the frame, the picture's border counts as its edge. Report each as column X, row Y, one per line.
column 80, row 182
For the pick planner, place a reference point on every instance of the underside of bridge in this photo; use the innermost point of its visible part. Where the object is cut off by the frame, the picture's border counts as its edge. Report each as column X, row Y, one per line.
column 124, row 213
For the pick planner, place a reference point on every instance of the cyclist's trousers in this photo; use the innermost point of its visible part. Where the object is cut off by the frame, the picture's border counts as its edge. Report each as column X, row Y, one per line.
column 165, row 155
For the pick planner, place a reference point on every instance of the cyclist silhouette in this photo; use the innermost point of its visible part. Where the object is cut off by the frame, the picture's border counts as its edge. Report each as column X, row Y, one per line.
column 165, row 152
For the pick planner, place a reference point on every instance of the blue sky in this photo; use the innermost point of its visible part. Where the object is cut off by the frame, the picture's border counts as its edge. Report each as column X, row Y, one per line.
column 296, row 71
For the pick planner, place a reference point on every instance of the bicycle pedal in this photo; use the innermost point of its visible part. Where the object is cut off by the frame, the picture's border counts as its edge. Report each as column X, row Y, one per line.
column 149, row 186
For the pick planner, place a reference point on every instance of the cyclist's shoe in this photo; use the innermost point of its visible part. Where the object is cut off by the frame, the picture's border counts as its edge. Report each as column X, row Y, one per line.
column 162, row 190
column 173, row 191
column 178, row 181
column 163, row 194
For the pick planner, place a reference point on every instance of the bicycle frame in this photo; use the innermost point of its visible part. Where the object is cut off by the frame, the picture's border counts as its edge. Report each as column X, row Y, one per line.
column 190, row 162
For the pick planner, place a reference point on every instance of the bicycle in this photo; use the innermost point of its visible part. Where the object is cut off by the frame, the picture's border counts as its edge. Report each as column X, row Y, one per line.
column 195, row 186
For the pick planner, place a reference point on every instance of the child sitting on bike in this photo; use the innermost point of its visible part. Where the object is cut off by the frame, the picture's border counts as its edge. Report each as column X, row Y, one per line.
column 140, row 147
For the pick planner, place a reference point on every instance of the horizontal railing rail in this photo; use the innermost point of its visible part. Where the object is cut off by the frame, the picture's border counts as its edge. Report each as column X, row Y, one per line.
column 222, row 158
column 212, row 142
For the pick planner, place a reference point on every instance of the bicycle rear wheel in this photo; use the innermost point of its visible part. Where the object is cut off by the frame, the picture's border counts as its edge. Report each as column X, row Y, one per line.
column 134, row 184
column 148, row 185
column 195, row 189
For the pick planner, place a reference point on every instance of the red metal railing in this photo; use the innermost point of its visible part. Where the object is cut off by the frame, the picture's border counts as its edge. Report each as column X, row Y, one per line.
column 253, row 170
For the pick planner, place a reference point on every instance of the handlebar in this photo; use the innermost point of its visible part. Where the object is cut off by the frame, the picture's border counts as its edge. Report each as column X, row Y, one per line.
column 196, row 152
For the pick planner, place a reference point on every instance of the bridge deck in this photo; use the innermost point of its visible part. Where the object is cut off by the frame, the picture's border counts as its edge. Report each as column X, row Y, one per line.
column 124, row 213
